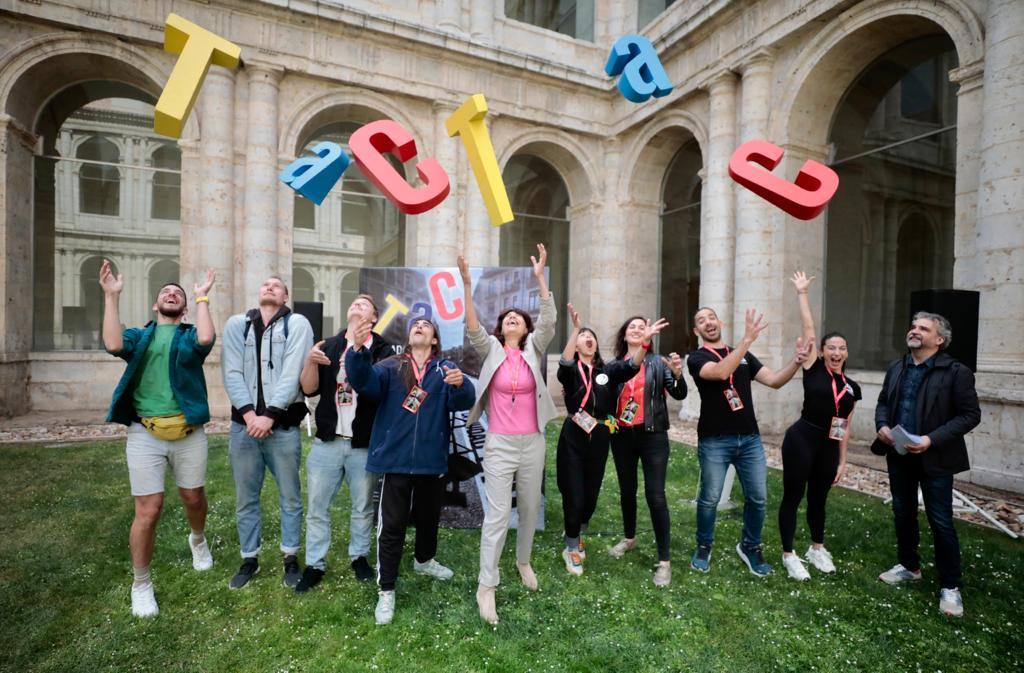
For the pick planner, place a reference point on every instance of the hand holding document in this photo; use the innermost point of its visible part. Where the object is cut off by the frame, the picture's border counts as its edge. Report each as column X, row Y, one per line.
column 901, row 438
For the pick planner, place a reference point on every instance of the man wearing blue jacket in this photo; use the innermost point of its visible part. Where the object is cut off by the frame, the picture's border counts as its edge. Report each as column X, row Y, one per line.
column 408, row 445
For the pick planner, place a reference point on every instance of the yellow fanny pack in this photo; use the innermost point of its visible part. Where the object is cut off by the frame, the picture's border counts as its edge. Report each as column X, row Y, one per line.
column 170, row 428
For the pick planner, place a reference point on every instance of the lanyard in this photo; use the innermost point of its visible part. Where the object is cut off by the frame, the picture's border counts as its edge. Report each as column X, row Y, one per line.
column 515, row 372
column 588, row 384
column 720, row 359
column 836, row 395
column 416, row 370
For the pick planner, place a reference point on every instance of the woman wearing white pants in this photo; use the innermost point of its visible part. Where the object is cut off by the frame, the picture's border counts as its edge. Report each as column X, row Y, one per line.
column 513, row 393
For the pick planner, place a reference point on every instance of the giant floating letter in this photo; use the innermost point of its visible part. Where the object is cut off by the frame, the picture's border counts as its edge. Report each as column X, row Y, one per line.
column 815, row 183
column 198, row 48
column 313, row 177
column 437, row 295
column 468, row 123
column 369, row 143
column 395, row 307
column 642, row 73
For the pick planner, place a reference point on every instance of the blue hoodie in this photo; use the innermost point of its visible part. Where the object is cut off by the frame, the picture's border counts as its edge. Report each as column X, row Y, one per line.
column 401, row 441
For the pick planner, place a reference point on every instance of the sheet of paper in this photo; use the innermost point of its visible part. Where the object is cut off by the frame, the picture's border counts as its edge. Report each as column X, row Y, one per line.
column 901, row 438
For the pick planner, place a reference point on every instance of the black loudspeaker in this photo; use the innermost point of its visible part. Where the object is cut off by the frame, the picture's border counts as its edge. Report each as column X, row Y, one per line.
column 960, row 308
column 313, row 311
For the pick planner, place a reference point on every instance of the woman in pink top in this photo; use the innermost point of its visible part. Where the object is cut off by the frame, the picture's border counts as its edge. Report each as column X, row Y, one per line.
column 512, row 391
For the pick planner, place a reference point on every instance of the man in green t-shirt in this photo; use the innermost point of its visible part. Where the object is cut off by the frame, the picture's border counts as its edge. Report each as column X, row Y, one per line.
column 162, row 399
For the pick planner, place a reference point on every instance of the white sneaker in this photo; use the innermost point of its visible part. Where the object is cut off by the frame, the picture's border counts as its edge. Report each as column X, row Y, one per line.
column 573, row 562
column 621, row 547
column 821, row 559
column 950, row 603
column 432, row 569
column 202, row 559
column 898, row 574
column 795, row 567
column 662, row 574
column 144, row 601
column 385, row 610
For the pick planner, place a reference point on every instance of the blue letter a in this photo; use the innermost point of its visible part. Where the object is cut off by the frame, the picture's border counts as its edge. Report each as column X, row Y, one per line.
column 313, row 177
column 642, row 72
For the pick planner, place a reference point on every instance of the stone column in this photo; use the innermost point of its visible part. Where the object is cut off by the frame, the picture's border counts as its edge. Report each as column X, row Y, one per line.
column 191, row 238
column 756, row 266
column 213, row 244
column 261, row 257
column 969, row 106
column 717, row 235
column 1000, row 234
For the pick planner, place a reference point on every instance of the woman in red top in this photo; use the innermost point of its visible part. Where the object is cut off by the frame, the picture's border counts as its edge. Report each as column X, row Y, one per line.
column 642, row 436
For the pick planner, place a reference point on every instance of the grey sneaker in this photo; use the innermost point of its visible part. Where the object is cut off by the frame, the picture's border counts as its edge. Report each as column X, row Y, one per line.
column 950, row 603
column 432, row 569
column 621, row 547
column 754, row 558
column 385, row 610
column 662, row 574
column 898, row 574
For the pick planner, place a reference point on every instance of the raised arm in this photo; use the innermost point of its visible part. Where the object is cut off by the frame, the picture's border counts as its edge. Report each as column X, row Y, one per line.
column 545, row 330
column 309, row 379
column 777, row 379
column 801, row 282
column 472, row 323
column 112, row 287
column 205, row 331
column 723, row 369
column 570, row 343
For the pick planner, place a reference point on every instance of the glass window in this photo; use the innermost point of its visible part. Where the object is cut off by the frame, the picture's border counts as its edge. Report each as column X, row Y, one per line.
column 680, row 249
column 97, row 196
column 889, row 228
column 539, row 200
column 648, row 10
column 166, row 192
column 355, row 226
column 303, row 286
column 574, row 18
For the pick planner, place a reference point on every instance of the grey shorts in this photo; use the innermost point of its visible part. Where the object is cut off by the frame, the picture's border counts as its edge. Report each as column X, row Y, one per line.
column 148, row 458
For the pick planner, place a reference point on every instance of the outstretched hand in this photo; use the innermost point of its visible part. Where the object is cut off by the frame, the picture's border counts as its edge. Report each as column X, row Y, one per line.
column 803, row 351
column 464, row 270
column 317, row 356
column 675, row 363
column 360, row 331
column 203, row 289
column 576, row 323
column 453, row 376
column 653, row 328
column 801, row 282
column 754, row 325
column 540, row 261
column 111, row 284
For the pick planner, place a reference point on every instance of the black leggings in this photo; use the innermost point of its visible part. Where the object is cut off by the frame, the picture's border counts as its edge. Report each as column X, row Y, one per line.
column 405, row 496
column 809, row 461
column 633, row 445
column 580, row 464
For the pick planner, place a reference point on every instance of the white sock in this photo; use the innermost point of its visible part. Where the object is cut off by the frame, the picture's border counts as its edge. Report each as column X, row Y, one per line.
column 197, row 537
column 142, row 577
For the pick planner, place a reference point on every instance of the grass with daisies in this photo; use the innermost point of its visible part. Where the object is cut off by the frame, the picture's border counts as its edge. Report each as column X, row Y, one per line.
column 65, row 576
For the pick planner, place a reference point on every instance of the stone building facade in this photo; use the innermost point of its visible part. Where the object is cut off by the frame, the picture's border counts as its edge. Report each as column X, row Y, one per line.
column 915, row 103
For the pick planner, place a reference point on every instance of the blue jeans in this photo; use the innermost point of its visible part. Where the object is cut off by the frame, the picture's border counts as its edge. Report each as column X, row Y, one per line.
column 328, row 464
column 747, row 455
column 906, row 474
column 281, row 452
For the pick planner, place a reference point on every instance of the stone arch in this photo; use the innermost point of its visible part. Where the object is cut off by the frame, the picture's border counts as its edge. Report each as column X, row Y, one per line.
column 847, row 46
column 564, row 153
column 648, row 157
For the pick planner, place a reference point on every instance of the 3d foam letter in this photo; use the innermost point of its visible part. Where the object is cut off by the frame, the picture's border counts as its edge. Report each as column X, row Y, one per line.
column 198, row 48
column 643, row 75
column 468, row 123
column 438, row 296
column 313, row 177
column 421, row 309
column 815, row 184
column 394, row 307
column 369, row 143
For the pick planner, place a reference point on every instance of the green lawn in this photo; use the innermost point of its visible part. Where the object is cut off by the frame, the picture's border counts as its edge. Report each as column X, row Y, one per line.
column 65, row 576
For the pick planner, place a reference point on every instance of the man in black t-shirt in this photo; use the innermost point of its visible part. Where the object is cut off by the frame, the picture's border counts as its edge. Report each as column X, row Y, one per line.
column 727, row 431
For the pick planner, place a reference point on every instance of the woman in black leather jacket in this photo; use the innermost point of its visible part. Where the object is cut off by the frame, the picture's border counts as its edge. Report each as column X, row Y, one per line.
column 642, row 436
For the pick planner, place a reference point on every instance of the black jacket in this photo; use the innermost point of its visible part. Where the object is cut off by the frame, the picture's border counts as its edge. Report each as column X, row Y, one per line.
column 658, row 378
column 326, row 410
column 947, row 409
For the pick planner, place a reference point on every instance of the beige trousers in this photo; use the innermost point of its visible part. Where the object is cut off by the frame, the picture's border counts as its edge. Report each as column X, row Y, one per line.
column 506, row 457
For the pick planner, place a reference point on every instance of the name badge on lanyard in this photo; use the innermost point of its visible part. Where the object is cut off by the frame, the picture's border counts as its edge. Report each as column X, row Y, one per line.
column 343, row 394
column 839, row 427
column 414, row 400
column 732, row 396
column 585, row 421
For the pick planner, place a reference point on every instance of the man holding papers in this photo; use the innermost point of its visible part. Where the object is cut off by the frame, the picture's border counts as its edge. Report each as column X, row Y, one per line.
column 926, row 406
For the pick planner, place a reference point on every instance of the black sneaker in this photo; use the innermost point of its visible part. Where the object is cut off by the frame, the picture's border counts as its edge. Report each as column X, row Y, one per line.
column 310, row 578
column 753, row 557
column 364, row 573
column 250, row 567
column 701, row 558
column 292, row 574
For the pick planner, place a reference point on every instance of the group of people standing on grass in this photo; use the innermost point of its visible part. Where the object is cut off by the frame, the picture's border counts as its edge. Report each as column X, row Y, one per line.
column 384, row 415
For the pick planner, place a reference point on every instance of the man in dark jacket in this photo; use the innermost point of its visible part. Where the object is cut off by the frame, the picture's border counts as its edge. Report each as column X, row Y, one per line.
column 344, row 420
column 931, row 396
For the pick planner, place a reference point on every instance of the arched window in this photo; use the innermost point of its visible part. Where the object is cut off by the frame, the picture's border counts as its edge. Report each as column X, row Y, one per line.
column 99, row 184
column 574, row 18
column 680, row 249
column 81, row 322
column 303, row 285
column 539, row 200
column 356, row 226
column 160, row 274
column 166, row 192
column 894, row 139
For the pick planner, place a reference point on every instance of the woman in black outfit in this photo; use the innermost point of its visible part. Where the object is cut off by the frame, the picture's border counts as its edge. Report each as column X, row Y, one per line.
column 588, row 387
column 814, row 448
column 642, row 436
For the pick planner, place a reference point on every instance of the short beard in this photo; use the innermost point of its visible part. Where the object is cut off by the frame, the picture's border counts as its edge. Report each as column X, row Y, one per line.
column 171, row 313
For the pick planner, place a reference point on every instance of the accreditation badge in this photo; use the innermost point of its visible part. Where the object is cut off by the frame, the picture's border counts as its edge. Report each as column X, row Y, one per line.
column 629, row 412
column 414, row 400
column 586, row 422
column 838, row 428
column 343, row 396
column 733, row 398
